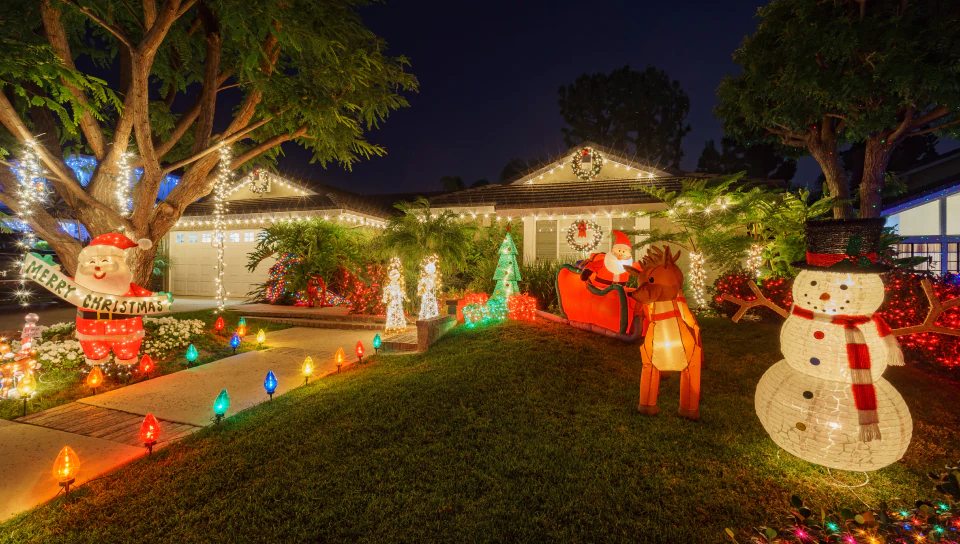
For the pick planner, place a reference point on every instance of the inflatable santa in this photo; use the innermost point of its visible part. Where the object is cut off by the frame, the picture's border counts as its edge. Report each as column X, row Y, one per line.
column 606, row 269
column 103, row 268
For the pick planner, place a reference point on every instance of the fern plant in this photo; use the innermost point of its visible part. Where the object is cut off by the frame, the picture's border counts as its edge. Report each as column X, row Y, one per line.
column 780, row 227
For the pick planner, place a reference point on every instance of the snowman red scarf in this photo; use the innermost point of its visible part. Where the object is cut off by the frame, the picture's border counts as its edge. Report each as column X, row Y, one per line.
column 858, row 357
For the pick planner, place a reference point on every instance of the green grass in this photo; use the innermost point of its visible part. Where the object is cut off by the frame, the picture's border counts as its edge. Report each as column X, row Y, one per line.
column 520, row 432
column 56, row 386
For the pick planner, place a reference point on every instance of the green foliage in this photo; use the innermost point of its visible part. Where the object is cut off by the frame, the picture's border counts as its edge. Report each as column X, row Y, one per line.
column 708, row 216
column 540, row 282
column 780, row 225
column 323, row 246
column 758, row 160
column 417, row 233
column 627, row 109
column 809, row 59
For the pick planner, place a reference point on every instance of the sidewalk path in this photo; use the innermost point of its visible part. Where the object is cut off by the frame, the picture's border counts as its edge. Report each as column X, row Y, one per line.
column 186, row 397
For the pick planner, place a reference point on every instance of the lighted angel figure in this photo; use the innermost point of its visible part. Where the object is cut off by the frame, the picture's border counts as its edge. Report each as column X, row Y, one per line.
column 394, row 295
column 428, row 288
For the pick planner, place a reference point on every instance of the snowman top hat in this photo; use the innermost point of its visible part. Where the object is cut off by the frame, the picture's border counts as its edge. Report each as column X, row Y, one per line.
column 844, row 245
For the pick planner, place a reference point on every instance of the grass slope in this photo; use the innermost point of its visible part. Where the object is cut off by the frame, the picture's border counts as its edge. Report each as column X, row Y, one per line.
column 521, row 432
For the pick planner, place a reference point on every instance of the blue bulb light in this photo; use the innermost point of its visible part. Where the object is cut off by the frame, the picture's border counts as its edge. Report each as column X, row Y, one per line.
column 270, row 383
column 235, row 341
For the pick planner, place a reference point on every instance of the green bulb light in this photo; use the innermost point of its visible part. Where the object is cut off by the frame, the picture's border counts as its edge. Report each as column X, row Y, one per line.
column 222, row 404
column 192, row 353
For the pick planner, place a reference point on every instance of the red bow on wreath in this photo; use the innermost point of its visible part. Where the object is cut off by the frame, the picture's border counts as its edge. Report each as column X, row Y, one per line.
column 582, row 229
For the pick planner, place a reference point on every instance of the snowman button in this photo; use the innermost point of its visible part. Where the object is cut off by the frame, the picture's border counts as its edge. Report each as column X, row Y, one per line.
column 814, row 361
column 818, row 335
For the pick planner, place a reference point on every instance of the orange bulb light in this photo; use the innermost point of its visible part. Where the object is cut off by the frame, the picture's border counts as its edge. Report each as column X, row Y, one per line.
column 340, row 356
column 95, row 378
column 66, row 466
column 149, row 430
column 242, row 330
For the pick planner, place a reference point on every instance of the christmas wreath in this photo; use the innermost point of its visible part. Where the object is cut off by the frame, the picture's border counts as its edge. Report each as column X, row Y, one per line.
column 259, row 181
column 578, row 230
column 596, row 163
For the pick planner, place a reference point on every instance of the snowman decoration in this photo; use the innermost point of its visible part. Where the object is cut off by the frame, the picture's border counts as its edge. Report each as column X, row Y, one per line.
column 827, row 401
column 102, row 267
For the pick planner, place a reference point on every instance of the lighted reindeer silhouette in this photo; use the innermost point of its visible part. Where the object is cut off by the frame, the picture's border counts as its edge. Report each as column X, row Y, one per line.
column 671, row 334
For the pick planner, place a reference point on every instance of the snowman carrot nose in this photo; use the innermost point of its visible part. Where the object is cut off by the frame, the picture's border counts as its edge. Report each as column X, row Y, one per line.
column 825, row 296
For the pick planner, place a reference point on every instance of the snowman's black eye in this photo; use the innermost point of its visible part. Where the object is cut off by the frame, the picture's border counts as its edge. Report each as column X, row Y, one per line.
column 843, row 286
column 813, row 283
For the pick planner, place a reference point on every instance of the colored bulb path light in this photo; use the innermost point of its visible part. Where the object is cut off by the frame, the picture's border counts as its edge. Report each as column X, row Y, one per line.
column 242, row 323
column 149, row 432
column 192, row 353
column 26, row 387
column 146, row 365
column 95, row 379
column 376, row 343
column 261, row 337
column 307, row 369
column 339, row 358
column 359, row 351
column 270, row 383
column 219, row 325
column 221, row 405
column 235, row 342
column 242, row 330
column 65, row 468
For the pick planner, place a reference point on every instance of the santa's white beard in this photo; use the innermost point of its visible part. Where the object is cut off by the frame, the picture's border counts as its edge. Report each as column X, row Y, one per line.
column 615, row 265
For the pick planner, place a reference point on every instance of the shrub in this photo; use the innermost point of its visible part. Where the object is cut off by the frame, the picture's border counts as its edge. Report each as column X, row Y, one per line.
column 167, row 334
column 539, row 280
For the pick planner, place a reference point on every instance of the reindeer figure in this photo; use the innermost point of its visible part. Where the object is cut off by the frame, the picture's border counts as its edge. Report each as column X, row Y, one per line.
column 671, row 334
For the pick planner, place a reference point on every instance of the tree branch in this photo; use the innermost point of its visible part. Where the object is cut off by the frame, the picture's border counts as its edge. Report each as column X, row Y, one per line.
column 228, row 140
column 208, row 94
column 930, row 322
column 930, row 116
column 112, row 29
column 43, row 224
column 57, row 38
column 149, row 13
column 265, row 145
column 933, row 129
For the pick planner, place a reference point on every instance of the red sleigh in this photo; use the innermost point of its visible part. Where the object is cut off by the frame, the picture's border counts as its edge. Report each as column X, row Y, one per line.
column 609, row 311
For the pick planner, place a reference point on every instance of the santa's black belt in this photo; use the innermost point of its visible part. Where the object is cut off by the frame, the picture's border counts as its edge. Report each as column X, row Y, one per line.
column 608, row 282
column 104, row 316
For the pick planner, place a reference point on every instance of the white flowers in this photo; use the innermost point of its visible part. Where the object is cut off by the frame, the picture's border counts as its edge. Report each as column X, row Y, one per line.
column 165, row 334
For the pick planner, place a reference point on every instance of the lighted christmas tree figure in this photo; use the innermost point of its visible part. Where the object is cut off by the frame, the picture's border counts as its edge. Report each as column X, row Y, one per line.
column 508, row 272
column 394, row 293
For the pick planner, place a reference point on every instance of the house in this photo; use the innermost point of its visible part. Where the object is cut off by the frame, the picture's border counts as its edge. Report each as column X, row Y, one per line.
column 254, row 203
column 551, row 200
column 928, row 215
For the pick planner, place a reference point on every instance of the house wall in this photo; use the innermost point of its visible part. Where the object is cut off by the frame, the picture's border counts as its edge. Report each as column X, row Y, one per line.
column 931, row 226
column 193, row 268
column 545, row 237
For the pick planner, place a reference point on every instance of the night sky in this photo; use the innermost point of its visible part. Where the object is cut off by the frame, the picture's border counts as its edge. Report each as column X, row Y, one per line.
column 489, row 77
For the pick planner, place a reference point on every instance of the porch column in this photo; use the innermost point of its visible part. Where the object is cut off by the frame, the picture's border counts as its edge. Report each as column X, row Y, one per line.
column 529, row 240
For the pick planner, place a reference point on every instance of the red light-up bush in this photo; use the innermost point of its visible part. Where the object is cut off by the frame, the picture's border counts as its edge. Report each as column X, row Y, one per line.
column 468, row 299
column 522, row 308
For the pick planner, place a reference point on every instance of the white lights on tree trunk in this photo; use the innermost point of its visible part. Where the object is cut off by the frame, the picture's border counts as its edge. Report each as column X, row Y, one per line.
column 755, row 259
column 429, row 287
column 220, row 193
column 122, row 189
column 698, row 278
column 31, row 193
column 835, row 350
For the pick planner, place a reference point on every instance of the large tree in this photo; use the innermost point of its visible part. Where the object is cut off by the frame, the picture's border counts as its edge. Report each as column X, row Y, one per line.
column 818, row 75
column 148, row 78
column 641, row 112
column 760, row 160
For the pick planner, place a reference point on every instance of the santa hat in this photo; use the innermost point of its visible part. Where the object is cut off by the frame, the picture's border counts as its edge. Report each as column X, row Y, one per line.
column 621, row 241
column 119, row 241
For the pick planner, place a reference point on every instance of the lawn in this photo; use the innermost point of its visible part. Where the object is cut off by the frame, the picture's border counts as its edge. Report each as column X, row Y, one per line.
column 520, row 432
column 56, row 387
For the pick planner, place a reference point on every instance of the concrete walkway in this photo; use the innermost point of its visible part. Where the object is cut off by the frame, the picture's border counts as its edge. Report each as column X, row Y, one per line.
column 29, row 450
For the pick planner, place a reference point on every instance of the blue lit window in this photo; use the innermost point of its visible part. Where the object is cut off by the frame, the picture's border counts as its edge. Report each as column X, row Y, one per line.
column 234, row 236
column 192, row 238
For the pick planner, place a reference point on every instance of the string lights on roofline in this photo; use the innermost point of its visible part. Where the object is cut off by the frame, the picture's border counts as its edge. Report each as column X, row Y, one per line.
column 259, row 222
column 641, row 174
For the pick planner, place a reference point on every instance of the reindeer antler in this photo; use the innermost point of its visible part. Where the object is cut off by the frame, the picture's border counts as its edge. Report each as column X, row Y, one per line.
column 761, row 300
column 936, row 308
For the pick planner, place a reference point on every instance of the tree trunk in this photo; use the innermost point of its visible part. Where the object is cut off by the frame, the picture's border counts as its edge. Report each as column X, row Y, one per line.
column 837, row 182
column 875, row 159
column 141, row 264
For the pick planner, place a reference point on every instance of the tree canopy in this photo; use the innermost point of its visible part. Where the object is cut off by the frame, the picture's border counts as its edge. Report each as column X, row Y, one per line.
column 639, row 112
column 761, row 160
column 168, row 83
column 818, row 75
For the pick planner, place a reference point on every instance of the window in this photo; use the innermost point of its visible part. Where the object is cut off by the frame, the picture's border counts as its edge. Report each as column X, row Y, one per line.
column 192, row 238
column 205, row 237
column 180, row 238
column 547, row 240
column 921, row 221
column 234, row 236
column 930, row 251
column 953, row 258
column 248, row 236
column 261, row 235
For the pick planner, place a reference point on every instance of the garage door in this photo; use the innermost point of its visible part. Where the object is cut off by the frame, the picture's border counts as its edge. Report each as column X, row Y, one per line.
column 194, row 263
